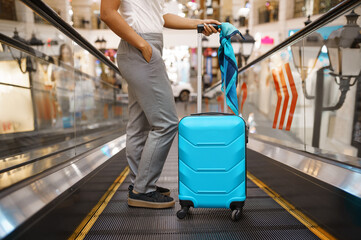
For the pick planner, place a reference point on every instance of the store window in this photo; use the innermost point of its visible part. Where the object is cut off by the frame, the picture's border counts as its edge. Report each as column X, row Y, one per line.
column 268, row 12
column 303, row 8
column 7, row 10
column 87, row 17
column 243, row 15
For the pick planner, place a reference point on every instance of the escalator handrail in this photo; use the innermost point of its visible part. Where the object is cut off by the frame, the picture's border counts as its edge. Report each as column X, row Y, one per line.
column 329, row 16
column 52, row 17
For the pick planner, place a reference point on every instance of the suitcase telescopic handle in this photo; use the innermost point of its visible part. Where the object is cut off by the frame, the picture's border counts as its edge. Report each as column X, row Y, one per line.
column 200, row 27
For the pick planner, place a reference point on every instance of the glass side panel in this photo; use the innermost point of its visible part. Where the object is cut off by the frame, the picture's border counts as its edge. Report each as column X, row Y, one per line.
column 334, row 84
column 307, row 95
column 56, row 99
column 303, row 8
column 270, row 99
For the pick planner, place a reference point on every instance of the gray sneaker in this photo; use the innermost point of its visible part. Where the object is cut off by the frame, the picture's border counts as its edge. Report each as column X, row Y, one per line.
column 150, row 200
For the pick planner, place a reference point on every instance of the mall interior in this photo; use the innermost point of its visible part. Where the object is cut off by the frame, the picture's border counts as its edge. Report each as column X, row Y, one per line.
column 64, row 112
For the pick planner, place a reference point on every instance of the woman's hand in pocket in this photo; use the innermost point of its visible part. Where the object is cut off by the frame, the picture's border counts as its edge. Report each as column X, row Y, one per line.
column 147, row 52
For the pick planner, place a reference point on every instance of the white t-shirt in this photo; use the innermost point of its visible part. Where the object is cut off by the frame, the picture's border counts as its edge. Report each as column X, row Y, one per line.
column 144, row 16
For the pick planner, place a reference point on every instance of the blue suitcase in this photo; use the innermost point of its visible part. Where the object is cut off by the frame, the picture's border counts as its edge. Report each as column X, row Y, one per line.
column 211, row 157
column 212, row 162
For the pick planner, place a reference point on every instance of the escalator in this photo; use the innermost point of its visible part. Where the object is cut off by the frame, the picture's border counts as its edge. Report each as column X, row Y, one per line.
column 65, row 175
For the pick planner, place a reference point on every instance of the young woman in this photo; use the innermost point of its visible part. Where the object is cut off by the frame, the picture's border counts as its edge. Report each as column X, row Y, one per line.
column 152, row 115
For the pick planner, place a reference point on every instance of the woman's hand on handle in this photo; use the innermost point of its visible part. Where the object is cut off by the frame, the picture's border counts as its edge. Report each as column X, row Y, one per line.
column 176, row 22
column 209, row 29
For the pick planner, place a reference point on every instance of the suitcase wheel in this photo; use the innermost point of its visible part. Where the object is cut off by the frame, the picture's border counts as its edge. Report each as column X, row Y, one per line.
column 183, row 212
column 185, row 204
column 236, row 214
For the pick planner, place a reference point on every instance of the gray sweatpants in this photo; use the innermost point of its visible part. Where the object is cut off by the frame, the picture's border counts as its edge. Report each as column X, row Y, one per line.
column 153, row 119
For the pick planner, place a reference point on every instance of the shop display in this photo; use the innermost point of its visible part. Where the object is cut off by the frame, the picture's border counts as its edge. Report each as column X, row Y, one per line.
column 16, row 111
column 177, row 61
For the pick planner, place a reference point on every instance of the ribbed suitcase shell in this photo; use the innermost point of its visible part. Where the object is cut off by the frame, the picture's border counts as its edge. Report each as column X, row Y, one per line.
column 212, row 160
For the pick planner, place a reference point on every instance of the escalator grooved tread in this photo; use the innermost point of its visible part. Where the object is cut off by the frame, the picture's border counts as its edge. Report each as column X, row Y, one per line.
column 297, row 234
column 262, row 217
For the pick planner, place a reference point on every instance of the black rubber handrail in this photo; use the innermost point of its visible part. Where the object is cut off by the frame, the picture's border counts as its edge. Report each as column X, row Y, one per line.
column 335, row 12
column 52, row 17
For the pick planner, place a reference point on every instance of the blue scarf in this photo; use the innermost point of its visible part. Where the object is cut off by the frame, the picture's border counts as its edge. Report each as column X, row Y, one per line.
column 228, row 65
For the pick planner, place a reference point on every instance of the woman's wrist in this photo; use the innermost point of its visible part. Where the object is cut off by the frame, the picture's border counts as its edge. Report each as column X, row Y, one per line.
column 140, row 43
column 198, row 21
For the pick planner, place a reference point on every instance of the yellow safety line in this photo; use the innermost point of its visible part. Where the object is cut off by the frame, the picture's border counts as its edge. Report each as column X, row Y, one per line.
column 84, row 227
column 310, row 224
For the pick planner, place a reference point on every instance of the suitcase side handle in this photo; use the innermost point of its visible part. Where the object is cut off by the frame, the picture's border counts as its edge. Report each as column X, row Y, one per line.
column 200, row 27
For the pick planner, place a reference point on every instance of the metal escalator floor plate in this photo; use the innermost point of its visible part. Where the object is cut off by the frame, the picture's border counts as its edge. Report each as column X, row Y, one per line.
column 97, row 186
column 256, row 192
column 104, row 179
column 87, row 196
column 119, row 196
column 81, row 211
column 123, row 187
column 251, row 184
column 264, row 204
